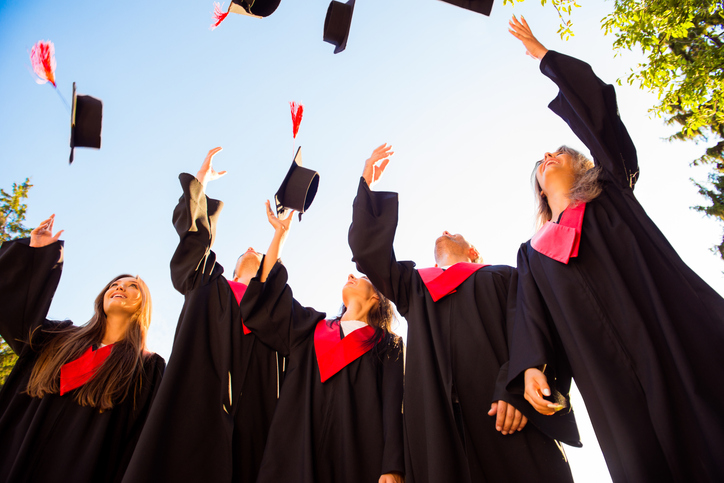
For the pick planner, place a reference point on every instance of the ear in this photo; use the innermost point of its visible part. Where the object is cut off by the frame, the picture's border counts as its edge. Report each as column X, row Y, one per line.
column 473, row 253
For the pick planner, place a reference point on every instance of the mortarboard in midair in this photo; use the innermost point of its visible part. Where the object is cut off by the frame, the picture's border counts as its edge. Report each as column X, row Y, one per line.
column 251, row 8
column 298, row 189
column 480, row 6
column 337, row 23
column 86, row 118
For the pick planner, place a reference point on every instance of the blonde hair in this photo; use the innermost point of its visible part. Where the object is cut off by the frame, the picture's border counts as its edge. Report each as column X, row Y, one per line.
column 586, row 185
column 122, row 370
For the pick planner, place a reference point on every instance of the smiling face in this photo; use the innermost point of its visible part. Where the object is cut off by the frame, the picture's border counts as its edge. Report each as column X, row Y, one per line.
column 555, row 173
column 123, row 296
column 360, row 289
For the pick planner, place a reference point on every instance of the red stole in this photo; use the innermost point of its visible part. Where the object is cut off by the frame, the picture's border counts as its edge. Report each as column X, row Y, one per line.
column 333, row 352
column 76, row 373
column 239, row 289
column 441, row 282
column 560, row 241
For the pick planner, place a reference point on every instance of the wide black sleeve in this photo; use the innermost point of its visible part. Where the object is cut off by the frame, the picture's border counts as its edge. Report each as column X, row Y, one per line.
column 589, row 107
column 508, row 292
column 371, row 234
column 29, row 277
column 193, row 263
column 393, row 455
column 270, row 311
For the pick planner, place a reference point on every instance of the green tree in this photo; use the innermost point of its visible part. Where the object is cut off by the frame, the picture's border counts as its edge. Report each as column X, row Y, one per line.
column 12, row 215
column 684, row 47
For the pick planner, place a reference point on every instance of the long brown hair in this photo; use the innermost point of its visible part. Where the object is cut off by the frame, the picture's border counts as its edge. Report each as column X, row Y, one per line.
column 122, row 370
column 380, row 317
column 586, row 185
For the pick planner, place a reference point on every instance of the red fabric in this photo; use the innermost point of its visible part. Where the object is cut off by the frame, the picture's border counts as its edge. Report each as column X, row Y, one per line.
column 333, row 352
column 76, row 373
column 560, row 241
column 297, row 113
column 441, row 282
column 239, row 289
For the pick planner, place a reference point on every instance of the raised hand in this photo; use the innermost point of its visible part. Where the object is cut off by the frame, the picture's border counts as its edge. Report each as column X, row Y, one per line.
column 376, row 164
column 522, row 32
column 206, row 172
column 281, row 230
column 509, row 420
column 43, row 234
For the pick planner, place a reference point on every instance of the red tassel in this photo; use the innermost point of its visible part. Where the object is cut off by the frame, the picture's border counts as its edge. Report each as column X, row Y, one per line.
column 42, row 57
column 297, row 112
column 218, row 15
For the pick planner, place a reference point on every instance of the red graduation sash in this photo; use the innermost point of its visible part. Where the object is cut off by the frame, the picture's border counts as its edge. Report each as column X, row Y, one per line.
column 333, row 352
column 76, row 373
column 239, row 289
column 441, row 282
column 560, row 241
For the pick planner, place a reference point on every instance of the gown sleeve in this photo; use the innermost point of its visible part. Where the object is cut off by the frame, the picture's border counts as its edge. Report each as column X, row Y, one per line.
column 589, row 107
column 270, row 311
column 511, row 289
column 193, row 263
column 29, row 277
column 371, row 234
column 393, row 457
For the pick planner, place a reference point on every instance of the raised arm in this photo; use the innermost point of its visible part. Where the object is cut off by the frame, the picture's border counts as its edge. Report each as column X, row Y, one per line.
column 589, row 107
column 372, row 233
column 29, row 274
column 194, row 264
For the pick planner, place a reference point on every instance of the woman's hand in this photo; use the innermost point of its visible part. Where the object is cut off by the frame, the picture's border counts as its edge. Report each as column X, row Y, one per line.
column 281, row 230
column 392, row 478
column 373, row 171
column 280, row 225
column 43, row 234
column 522, row 32
column 509, row 420
column 536, row 386
column 206, row 172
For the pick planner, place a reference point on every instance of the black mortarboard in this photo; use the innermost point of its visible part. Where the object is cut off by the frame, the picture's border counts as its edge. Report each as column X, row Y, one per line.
column 86, row 118
column 480, row 6
column 298, row 188
column 254, row 8
column 336, row 24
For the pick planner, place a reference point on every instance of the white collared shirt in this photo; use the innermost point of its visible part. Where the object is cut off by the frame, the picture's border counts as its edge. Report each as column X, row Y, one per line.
column 349, row 326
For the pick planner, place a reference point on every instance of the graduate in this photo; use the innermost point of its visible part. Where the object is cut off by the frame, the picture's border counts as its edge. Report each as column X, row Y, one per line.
column 461, row 424
column 339, row 417
column 74, row 404
column 603, row 297
column 211, row 418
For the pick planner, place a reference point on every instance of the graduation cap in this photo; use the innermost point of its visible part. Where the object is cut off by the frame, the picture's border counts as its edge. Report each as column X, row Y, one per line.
column 254, row 8
column 480, row 6
column 336, row 24
column 298, row 188
column 86, row 118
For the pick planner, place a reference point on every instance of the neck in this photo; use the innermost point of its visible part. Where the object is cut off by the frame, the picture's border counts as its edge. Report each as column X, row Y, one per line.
column 356, row 311
column 448, row 260
column 116, row 326
column 244, row 278
column 558, row 203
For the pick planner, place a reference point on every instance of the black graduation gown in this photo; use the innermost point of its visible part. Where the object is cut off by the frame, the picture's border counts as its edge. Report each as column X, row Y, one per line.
column 456, row 365
column 347, row 429
column 641, row 333
column 213, row 410
column 53, row 439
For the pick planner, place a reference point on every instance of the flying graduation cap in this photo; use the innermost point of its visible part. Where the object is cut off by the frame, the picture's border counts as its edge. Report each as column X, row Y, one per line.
column 298, row 188
column 479, row 6
column 251, row 8
column 86, row 118
column 337, row 23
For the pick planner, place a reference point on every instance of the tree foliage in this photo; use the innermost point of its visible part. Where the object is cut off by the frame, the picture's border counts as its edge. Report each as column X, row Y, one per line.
column 12, row 215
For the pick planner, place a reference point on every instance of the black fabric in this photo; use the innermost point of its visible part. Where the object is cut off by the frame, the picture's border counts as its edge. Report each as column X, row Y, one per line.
column 641, row 333
column 212, row 414
column 456, row 365
column 348, row 429
column 54, row 439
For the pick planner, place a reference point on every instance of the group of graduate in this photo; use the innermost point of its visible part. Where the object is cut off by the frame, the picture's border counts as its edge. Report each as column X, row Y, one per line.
column 262, row 388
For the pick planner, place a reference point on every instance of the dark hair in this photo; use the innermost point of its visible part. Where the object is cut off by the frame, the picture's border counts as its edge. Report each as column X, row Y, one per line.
column 380, row 317
column 121, row 371
column 586, row 185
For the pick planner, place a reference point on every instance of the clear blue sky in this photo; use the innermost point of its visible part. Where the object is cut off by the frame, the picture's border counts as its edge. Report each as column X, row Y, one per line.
column 452, row 91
